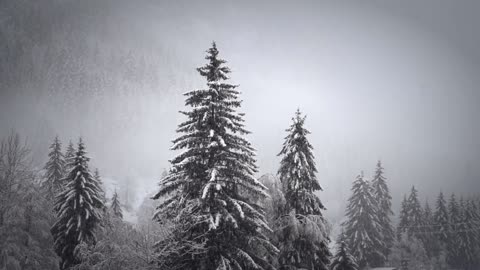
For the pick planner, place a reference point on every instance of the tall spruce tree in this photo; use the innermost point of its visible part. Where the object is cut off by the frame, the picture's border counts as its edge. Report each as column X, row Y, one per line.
column 115, row 206
column 98, row 178
column 474, row 210
column 343, row 260
column 403, row 223
column 210, row 187
column 441, row 219
column 471, row 243
column 69, row 156
column 54, row 170
column 453, row 243
column 429, row 240
column 362, row 232
column 309, row 248
column 78, row 209
column 384, row 201
column 467, row 241
column 414, row 214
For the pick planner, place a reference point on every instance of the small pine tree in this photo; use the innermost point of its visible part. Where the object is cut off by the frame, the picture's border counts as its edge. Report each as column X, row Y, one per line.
column 441, row 219
column 116, row 207
column 343, row 260
column 297, row 174
column 78, row 209
column 362, row 226
column 211, row 187
column 54, row 170
column 384, row 201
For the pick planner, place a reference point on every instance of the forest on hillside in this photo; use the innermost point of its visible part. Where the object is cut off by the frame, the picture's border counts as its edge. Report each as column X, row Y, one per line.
column 309, row 135
column 210, row 210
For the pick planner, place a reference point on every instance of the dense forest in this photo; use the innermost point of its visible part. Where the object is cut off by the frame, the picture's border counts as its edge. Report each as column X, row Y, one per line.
column 211, row 212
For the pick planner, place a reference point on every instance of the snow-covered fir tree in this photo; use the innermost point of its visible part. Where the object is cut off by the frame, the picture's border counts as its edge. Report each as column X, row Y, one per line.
column 297, row 172
column 274, row 211
column 430, row 241
column 453, row 243
column 440, row 218
column 115, row 206
column 98, row 178
column 403, row 223
column 69, row 156
column 475, row 218
column 78, row 209
column 470, row 236
column 362, row 229
column 467, row 241
column 427, row 214
column 384, row 201
column 414, row 213
column 343, row 260
column 209, row 188
column 54, row 170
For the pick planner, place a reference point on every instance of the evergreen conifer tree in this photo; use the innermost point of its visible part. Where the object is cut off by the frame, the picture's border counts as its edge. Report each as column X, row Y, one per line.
column 414, row 216
column 466, row 237
column 98, row 178
column 384, row 201
column 69, row 156
column 441, row 219
column 453, row 242
column 309, row 248
column 78, row 210
column 362, row 226
column 343, row 260
column 403, row 224
column 427, row 214
column 430, row 241
column 116, row 207
column 471, row 243
column 210, row 187
column 54, row 170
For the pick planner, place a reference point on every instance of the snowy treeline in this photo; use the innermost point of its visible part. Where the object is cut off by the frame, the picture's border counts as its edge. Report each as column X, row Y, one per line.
column 446, row 237
column 448, row 234
column 58, row 217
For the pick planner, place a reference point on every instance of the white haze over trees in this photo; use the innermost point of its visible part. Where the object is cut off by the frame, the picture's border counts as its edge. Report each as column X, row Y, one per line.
column 391, row 83
column 380, row 80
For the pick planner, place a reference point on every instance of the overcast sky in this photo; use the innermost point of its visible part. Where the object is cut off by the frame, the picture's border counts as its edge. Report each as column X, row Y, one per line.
column 390, row 80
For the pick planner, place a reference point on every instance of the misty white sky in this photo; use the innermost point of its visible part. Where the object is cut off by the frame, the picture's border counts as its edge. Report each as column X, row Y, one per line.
column 390, row 80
